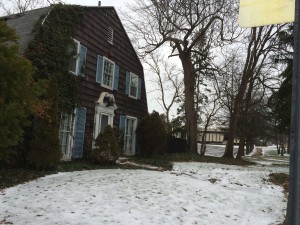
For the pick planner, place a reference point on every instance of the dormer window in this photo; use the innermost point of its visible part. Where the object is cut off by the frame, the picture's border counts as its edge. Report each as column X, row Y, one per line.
column 110, row 35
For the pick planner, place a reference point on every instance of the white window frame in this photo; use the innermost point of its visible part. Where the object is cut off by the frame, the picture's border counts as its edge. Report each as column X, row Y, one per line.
column 76, row 72
column 133, row 150
column 70, row 133
column 113, row 74
column 137, row 85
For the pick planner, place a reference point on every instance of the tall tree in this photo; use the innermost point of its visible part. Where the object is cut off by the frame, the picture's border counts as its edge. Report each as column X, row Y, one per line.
column 182, row 25
column 280, row 101
column 259, row 48
column 16, row 93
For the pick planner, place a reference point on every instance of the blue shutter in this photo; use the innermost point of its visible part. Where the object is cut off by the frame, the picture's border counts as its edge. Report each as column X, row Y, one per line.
column 116, row 77
column 139, row 91
column 99, row 71
column 127, row 83
column 137, row 145
column 82, row 61
column 79, row 130
column 122, row 128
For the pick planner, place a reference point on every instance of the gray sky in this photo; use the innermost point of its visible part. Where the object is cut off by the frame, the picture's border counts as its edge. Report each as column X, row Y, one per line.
column 116, row 3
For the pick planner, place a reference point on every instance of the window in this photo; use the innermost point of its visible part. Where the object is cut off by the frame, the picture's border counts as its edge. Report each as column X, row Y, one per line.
column 133, row 85
column 110, row 35
column 65, row 134
column 107, row 73
column 78, row 59
column 128, row 126
column 73, row 60
column 71, row 133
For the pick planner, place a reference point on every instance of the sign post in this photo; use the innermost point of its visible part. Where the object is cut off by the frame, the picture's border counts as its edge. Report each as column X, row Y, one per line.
column 255, row 13
column 293, row 210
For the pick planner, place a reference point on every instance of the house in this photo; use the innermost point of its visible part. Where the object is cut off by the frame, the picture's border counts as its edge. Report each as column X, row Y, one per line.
column 111, row 86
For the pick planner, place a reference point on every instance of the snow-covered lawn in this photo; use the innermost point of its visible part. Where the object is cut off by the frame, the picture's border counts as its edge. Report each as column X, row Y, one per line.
column 193, row 193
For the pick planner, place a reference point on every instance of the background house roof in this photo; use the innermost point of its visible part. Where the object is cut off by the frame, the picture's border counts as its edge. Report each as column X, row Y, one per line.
column 24, row 23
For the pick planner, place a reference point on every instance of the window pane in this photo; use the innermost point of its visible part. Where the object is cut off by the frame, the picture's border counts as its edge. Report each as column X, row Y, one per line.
column 108, row 73
column 133, row 85
column 64, row 131
column 74, row 57
column 72, row 64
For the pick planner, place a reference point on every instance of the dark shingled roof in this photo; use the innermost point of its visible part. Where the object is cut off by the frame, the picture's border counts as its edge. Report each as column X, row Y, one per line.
column 23, row 23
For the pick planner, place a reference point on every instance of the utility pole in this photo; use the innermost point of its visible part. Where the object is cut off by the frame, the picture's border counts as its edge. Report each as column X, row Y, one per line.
column 260, row 13
column 293, row 210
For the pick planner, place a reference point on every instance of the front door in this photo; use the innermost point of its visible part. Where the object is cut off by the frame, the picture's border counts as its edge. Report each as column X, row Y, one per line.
column 129, row 145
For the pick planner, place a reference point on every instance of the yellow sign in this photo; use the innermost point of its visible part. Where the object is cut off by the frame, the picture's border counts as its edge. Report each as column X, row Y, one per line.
column 255, row 13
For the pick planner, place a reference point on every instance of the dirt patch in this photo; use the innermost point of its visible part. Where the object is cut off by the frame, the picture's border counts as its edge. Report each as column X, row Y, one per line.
column 280, row 179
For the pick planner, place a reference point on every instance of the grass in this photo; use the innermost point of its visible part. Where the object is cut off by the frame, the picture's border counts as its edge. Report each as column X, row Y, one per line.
column 165, row 161
column 12, row 176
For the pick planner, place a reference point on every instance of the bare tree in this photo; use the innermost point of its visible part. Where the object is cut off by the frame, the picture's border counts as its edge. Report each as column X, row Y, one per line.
column 209, row 117
column 259, row 48
column 182, row 25
column 167, row 81
column 9, row 7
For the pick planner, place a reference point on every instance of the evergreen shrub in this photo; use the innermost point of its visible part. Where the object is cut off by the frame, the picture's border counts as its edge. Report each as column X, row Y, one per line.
column 45, row 152
column 151, row 135
column 107, row 150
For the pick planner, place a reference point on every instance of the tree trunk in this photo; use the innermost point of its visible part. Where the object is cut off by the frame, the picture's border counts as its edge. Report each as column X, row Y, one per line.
column 189, row 91
column 234, row 116
column 203, row 140
column 244, row 129
column 241, row 150
column 248, row 147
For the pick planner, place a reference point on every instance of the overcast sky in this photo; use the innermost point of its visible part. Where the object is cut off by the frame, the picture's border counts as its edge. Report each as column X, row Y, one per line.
column 116, row 3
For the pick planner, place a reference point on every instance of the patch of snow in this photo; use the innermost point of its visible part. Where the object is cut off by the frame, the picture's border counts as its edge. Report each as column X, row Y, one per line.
column 193, row 193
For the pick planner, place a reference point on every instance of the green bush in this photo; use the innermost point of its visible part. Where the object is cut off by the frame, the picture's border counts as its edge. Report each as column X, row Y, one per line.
column 107, row 150
column 151, row 135
column 45, row 152
column 16, row 91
